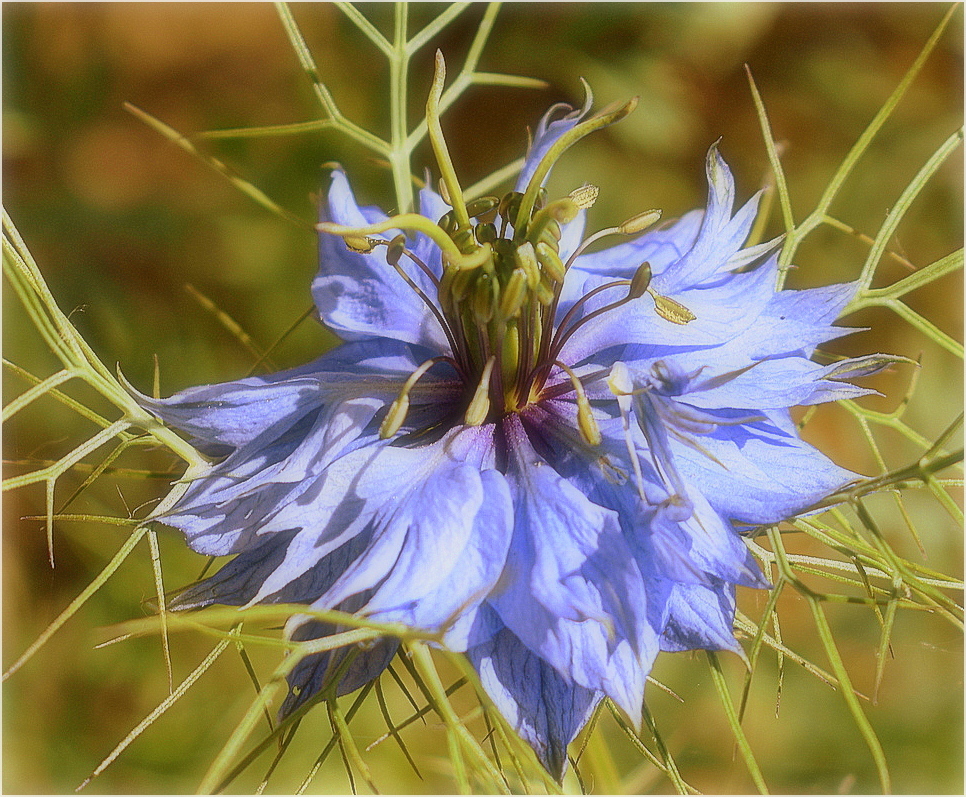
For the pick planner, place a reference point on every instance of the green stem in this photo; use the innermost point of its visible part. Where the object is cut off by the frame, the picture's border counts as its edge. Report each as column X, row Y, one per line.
column 398, row 104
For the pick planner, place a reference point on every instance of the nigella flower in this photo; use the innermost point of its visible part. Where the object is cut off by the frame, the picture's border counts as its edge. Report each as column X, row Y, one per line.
column 538, row 452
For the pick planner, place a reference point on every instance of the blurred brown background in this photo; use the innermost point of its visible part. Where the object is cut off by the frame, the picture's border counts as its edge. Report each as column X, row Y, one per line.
column 120, row 219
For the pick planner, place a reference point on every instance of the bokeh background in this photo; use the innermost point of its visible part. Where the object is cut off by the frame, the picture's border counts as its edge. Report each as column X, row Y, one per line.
column 121, row 221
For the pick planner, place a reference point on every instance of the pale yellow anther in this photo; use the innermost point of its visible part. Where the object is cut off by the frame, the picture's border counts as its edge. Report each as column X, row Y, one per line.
column 444, row 192
column 585, row 196
column 484, row 299
column 551, row 263
column 545, row 290
column 514, row 294
column 670, row 310
column 395, row 249
column 619, row 380
column 526, row 259
column 640, row 222
column 480, row 405
column 400, row 407
column 586, row 422
column 563, row 211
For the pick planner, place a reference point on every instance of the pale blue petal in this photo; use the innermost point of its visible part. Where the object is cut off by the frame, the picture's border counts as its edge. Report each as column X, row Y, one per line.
column 701, row 617
column 546, row 135
column 755, row 476
column 361, row 296
column 544, row 707
column 237, row 582
column 571, row 590
column 770, row 384
column 235, row 413
column 660, row 249
column 723, row 311
column 315, row 672
column 385, row 490
column 471, row 576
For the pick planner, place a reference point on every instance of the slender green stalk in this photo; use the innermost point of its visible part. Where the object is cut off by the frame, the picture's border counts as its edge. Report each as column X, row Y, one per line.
column 744, row 748
column 849, row 694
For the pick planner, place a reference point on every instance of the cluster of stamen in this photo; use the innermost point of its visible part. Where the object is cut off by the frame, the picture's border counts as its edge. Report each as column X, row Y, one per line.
column 502, row 277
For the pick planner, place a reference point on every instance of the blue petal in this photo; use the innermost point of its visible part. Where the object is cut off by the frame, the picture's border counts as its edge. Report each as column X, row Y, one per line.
column 545, row 708
column 720, row 232
column 701, row 548
column 758, row 476
column 393, row 493
column 722, row 310
column 660, row 249
column 235, row 413
column 360, row 295
column 701, row 617
column 471, row 577
column 315, row 672
column 222, row 511
column 571, row 590
column 771, row 384
column 237, row 582
column 548, row 132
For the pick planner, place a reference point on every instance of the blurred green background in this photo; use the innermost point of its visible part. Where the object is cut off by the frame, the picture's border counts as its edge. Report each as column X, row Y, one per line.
column 121, row 220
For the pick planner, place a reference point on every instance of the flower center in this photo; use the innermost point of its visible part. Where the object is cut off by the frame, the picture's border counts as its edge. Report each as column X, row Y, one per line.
column 498, row 296
column 502, row 308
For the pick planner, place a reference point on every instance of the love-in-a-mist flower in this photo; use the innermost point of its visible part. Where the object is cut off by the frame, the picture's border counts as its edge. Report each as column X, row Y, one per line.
column 538, row 451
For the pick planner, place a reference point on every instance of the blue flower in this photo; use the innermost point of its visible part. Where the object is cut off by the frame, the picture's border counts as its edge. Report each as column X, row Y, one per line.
column 540, row 453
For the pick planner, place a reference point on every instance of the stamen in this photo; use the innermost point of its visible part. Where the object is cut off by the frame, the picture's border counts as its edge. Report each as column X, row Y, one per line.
column 632, row 226
column 551, row 263
column 526, row 259
column 586, row 422
column 395, row 250
column 640, row 222
column 480, row 405
column 588, row 241
column 404, row 221
column 514, row 294
column 620, row 384
column 585, row 196
column 479, row 207
column 444, row 192
column 426, row 269
column 400, row 407
column 670, row 310
column 545, row 224
column 637, row 285
column 361, row 245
